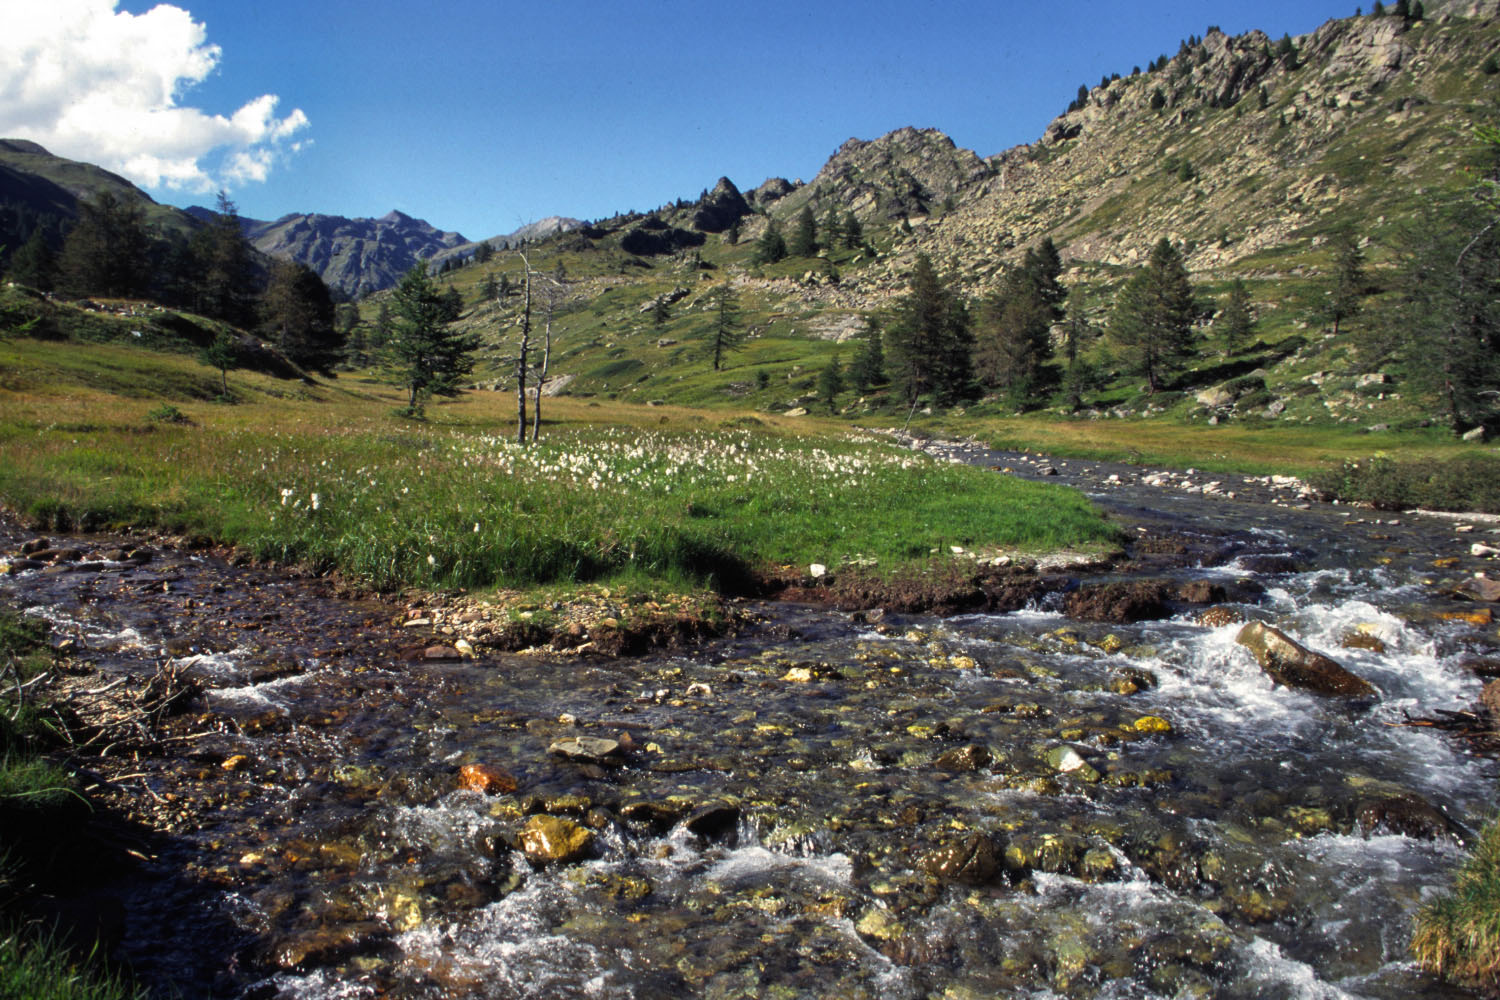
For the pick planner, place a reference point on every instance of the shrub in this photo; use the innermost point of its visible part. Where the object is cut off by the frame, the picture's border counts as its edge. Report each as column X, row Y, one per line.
column 1466, row 483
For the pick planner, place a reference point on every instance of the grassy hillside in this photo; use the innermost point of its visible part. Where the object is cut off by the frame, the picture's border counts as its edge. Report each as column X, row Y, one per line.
column 1245, row 156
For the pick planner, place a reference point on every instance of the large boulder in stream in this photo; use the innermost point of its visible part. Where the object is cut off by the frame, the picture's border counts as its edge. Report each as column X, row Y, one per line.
column 1296, row 666
column 555, row 840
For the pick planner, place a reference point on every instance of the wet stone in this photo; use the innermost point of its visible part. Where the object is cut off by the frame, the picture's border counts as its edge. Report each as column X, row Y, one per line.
column 966, row 758
column 713, row 820
column 486, row 779
column 1408, row 815
column 974, row 859
column 555, row 840
column 1296, row 666
column 589, row 749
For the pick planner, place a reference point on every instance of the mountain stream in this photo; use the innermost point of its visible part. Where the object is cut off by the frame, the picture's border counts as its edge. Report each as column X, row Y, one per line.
column 827, row 805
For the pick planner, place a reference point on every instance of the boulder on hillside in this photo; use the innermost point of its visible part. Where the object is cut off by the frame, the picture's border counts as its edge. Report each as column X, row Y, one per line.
column 720, row 208
column 1296, row 666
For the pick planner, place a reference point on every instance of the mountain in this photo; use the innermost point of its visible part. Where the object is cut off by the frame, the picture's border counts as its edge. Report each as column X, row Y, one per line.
column 355, row 256
column 529, row 233
column 1247, row 152
column 40, row 189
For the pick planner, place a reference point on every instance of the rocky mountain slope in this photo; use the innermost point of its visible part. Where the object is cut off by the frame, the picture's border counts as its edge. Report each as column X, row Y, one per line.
column 355, row 256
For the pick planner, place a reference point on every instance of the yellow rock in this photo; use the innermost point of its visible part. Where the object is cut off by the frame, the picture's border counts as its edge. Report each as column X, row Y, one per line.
column 1152, row 724
column 552, row 838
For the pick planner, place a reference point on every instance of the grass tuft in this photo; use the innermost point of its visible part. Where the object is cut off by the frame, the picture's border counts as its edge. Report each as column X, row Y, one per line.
column 1458, row 935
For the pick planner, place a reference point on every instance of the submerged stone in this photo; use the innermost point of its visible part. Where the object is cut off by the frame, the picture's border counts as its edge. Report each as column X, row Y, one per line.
column 973, row 859
column 590, row 749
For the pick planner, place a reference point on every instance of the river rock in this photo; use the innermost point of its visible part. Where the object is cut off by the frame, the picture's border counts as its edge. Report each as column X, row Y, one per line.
column 1121, row 603
column 1296, row 666
column 965, row 758
column 1407, row 815
column 552, row 839
column 589, row 749
column 486, row 778
column 1217, row 617
column 1201, row 592
column 1066, row 760
column 1480, row 588
column 974, row 859
column 713, row 820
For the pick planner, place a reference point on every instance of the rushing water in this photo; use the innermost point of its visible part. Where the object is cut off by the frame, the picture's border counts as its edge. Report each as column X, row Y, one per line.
column 882, row 808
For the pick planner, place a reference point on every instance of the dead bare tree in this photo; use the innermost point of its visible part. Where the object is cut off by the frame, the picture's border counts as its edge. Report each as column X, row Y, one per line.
column 549, row 287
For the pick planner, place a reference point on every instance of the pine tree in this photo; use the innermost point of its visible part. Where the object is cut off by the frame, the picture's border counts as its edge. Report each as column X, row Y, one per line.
column 833, row 235
column 1153, row 315
column 831, row 383
column 1079, row 376
column 1235, row 323
column 929, row 340
column 223, row 354
column 853, row 233
column 724, row 334
column 868, row 367
column 489, row 290
column 453, row 304
column 771, row 247
column 107, row 252
column 226, row 274
column 804, row 239
column 1013, row 339
column 1346, row 286
column 429, row 358
column 35, row 265
column 297, row 313
column 660, row 310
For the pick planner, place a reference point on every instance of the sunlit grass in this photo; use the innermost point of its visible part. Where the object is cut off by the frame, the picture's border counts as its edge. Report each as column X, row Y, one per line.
column 1458, row 934
column 333, row 479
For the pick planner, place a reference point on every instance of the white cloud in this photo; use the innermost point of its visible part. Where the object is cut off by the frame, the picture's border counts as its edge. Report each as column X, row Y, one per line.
column 94, row 84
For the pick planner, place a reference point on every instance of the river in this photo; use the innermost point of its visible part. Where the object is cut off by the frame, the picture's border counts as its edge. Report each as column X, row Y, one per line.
column 826, row 805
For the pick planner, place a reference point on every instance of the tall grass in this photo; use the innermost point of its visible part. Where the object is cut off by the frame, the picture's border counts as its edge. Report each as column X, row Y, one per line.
column 399, row 504
column 1458, row 934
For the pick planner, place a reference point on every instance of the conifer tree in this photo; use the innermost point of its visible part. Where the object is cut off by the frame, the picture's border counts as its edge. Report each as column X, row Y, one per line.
column 832, row 229
column 429, row 358
column 226, row 286
column 35, row 265
column 804, row 239
column 1079, row 376
column 852, row 232
column 1346, row 286
column 831, row 383
column 1235, row 322
column 724, row 334
column 297, row 313
column 868, row 366
column 107, row 252
column 929, row 340
column 1013, row 339
column 771, row 247
column 1153, row 315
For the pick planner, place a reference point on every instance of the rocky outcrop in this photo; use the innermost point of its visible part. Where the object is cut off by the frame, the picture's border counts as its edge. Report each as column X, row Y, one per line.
column 720, row 208
column 652, row 237
column 1296, row 666
column 906, row 173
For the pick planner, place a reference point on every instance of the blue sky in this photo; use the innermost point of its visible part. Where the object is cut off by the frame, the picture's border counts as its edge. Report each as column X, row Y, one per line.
column 481, row 117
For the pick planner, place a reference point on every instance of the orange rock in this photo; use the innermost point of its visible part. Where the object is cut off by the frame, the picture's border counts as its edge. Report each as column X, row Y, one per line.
column 486, row 778
column 1479, row 616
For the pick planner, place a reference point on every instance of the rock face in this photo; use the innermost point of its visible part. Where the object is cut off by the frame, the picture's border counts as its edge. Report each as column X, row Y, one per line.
column 1298, row 667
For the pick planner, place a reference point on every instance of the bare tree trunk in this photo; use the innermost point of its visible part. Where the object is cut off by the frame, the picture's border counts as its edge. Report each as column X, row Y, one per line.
column 541, row 378
column 521, row 355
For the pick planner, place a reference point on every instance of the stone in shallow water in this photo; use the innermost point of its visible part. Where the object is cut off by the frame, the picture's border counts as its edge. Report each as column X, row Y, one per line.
column 552, row 839
column 1297, row 666
column 972, row 859
column 486, row 778
column 592, row 749
column 1066, row 760
column 966, row 758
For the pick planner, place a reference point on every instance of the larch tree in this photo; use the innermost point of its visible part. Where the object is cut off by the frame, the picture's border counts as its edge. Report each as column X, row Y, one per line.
column 429, row 357
column 929, row 340
column 108, row 251
column 724, row 331
column 1153, row 315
